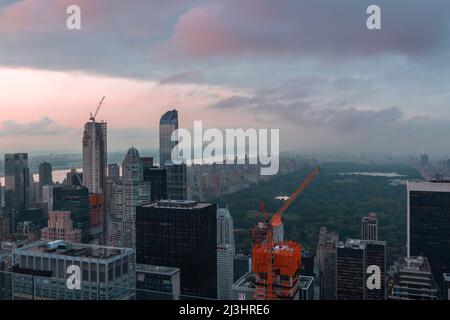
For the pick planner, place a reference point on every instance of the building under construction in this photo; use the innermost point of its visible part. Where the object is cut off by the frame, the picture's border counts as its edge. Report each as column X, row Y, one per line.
column 277, row 263
column 285, row 270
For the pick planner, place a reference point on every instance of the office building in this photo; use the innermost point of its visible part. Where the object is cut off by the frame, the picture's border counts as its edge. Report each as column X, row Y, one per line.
column 60, row 227
column 428, row 225
column 45, row 177
column 167, row 125
column 47, row 197
column 176, row 181
column 225, row 254
column 411, row 279
column 40, row 272
column 325, row 264
column 158, row 179
column 95, row 162
column 17, row 181
column 180, row 234
column 131, row 192
column 369, row 227
column 76, row 201
column 157, row 283
column 354, row 257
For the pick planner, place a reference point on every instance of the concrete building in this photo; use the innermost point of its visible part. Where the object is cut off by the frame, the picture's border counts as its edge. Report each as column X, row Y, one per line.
column 131, row 192
column 225, row 254
column 325, row 264
column 176, row 181
column 369, row 227
column 41, row 272
column 411, row 279
column 157, row 283
column 60, row 227
column 95, row 156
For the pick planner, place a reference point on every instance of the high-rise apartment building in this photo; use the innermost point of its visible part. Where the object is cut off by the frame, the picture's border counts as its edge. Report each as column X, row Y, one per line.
column 325, row 263
column 45, row 176
column 167, row 125
column 60, row 227
column 40, row 272
column 131, row 192
column 428, row 225
column 354, row 257
column 225, row 254
column 369, row 227
column 411, row 279
column 180, row 234
column 17, row 181
column 95, row 161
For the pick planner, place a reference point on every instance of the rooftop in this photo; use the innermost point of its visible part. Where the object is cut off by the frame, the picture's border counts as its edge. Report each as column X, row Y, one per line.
column 72, row 249
column 179, row 204
column 156, row 269
column 359, row 244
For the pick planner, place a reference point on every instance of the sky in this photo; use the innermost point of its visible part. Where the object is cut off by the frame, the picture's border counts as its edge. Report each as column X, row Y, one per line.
column 308, row 67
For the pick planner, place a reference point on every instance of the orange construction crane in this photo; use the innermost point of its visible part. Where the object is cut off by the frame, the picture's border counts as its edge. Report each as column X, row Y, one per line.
column 265, row 255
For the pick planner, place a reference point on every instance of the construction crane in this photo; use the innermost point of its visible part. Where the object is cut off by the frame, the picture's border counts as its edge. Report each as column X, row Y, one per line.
column 263, row 248
column 93, row 116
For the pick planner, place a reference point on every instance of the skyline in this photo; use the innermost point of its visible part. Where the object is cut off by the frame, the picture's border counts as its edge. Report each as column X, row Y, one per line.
column 337, row 88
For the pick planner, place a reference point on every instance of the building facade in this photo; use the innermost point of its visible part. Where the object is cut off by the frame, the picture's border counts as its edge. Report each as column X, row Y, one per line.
column 411, row 279
column 131, row 192
column 60, row 227
column 225, row 254
column 45, row 177
column 369, row 227
column 17, row 181
column 157, row 283
column 76, row 201
column 325, row 264
column 41, row 271
column 180, row 234
column 167, row 125
column 428, row 225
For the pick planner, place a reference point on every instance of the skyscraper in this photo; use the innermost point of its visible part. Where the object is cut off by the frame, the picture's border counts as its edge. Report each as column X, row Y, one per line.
column 353, row 259
column 167, row 125
column 95, row 165
column 17, row 181
column 158, row 179
column 176, row 181
column 180, row 234
column 225, row 254
column 95, row 156
column 428, row 225
column 75, row 200
column 45, row 176
column 131, row 192
column 325, row 263
column 369, row 227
